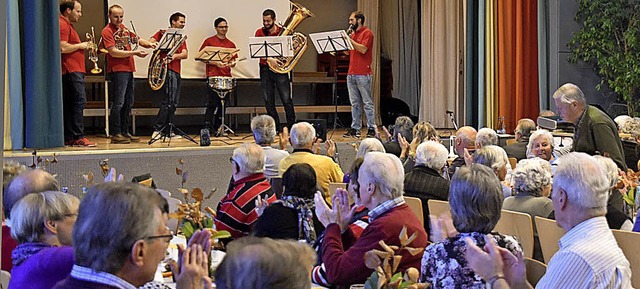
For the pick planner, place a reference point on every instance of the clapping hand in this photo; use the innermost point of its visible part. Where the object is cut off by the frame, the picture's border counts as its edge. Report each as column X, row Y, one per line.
column 261, row 204
column 192, row 269
column 284, row 138
column 111, row 176
column 330, row 145
column 340, row 214
column 404, row 146
column 492, row 261
column 387, row 134
column 468, row 158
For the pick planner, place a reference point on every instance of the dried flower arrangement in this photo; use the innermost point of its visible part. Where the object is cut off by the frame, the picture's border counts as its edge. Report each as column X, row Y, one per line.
column 628, row 183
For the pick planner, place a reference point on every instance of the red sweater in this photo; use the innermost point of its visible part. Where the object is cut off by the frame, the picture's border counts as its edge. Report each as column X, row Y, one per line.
column 344, row 262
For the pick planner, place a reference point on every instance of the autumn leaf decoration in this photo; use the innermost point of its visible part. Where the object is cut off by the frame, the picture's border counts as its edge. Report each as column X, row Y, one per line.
column 386, row 262
column 627, row 185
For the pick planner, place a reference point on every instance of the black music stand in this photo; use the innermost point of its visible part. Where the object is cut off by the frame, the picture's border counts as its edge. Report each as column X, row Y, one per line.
column 270, row 46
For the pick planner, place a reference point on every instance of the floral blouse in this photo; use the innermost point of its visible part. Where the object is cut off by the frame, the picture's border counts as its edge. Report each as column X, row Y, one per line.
column 444, row 265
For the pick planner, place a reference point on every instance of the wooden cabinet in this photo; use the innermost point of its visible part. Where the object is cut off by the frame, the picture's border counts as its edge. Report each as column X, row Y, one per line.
column 337, row 65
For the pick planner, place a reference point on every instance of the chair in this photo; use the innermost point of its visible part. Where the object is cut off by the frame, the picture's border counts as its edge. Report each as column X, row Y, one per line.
column 511, row 141
column 415, row 205
column 4, row 279
column 535, row 270
column 549, row 234
column 513, row 162
column 437, row 207
column 173, row 206
column 276, row 186
column 519, row 225
column 628, row 242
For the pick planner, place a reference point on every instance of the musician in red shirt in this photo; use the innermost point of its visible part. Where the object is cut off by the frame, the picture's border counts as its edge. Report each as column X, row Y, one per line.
column 73, row 70
column 217, row 68
column 170, row 90
column 359, row 76
column 120, row 68
column 270, row 80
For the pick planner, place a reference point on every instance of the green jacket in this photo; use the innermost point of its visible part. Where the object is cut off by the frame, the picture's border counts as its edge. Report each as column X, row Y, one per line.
column 596, row 133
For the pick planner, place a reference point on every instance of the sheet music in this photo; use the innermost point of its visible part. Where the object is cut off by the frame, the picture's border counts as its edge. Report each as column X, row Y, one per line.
column 271, row 46
column 170, row 38
column 331, row 41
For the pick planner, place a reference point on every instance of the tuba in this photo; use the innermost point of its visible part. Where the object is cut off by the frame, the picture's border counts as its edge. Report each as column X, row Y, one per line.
column 298, row 13
column 93, row 51
column 158, row 65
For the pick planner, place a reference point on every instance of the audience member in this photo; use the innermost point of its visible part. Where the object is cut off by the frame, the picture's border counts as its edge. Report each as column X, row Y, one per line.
column 486, row 137
column 131, row 241
column 380, row 189
column 42, row 224
column 422, row 131
column 302, row 138
column 369, row 145
column 476, row 203
column 236, row 211
column 589, row 256
column 616, row 219
column 465, row 139
column 403, row 126
column 425, row 180
column 263, row 263
column 263, row 128
column 518, row 150
column 496, row 158
column 10, row 169
column 541, row 145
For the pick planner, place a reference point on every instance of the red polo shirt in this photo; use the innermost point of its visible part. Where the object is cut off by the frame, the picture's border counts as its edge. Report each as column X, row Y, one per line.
column 260, row 33
column 74, row 61
column 213, row 70
column 174, row 64
column 360, row 64
column 115, row 64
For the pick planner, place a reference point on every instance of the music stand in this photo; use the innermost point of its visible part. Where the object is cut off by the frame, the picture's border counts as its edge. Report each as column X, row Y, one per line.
column 213, row 53
column 271, row 46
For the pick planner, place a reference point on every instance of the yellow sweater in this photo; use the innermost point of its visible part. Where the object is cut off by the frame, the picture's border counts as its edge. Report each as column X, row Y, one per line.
column 327, row 171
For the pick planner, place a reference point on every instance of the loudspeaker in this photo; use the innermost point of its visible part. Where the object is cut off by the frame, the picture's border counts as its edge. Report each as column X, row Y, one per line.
column 320, row 125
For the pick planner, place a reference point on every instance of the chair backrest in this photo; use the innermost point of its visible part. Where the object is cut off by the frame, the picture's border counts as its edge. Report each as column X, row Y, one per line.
column 415, row 205
column 437, row 207
column 513, row 162
column 519, row 225
column 173, row 206
column 4, row 279
column 535, row 270
column 549, row 234
column 628, row 242
column 276, row 186
column 511, row 141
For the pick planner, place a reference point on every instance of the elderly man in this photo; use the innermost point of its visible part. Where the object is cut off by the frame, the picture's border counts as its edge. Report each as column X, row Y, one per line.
column 302, row 138
column 403, row 126
column 131, row 240
column 589, row 256
column 30, row 181
column 263, row 128
column 380, row 189
column 486, row 137
column 236, row 210
column 595, row 132
column 465, row 139
column 425, row 180
column 523, row 130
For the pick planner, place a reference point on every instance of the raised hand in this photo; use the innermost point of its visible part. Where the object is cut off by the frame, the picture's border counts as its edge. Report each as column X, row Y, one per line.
column 330, row 145
column 284, row 138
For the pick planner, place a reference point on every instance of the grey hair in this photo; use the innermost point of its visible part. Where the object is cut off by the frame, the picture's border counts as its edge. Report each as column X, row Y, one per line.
column 386, row 172
column 584, row 181
column 475, row 196
column 263, row 128
column 525, row 127
column 610, row 168
column 250, row 158
column 10, row 169
column 369, row 145
column 302, row 134
column 32, row 211
column 28, row 182
column 621, row 120
column 281, row 263
column 631, row 126
column 432, row 155
column 531, row 176
column 491, row 156
column 404, row 127
column 536, row 135
column 569, row 93
column 112, row 217
column 486, row 137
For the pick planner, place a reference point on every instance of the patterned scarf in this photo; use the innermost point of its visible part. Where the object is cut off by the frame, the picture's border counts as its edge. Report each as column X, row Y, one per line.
column 305, row 208
column 25, row 250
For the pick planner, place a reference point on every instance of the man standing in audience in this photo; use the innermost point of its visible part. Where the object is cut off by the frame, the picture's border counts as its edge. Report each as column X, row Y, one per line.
column 595, row 132
column 589, row 256
column 465, row 139
column 359, row 76
column 236, row 211
column 303, row 135
column 73, row 70
column 523, row 130
column 170, row 90
column 263, row 128
column 120, row 68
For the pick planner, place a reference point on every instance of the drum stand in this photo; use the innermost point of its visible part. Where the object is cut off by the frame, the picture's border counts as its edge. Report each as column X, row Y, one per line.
column 223, row 129
column 169, row 125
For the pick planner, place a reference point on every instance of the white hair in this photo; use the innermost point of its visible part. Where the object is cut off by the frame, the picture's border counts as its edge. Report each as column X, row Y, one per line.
column 250, row 158
column 302, row 134
column 491, row 156
column 531, row 176
column 386, row 172
column 621, row 120
column 631, row 126
column 263, row 128
column 486, row 137
column 569, row 93
column 432, row 155
column 369, row 145
column 538, row 134
column 610, row 168
column 584, row 181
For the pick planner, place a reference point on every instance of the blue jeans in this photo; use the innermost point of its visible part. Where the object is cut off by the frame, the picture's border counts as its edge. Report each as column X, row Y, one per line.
column 271, row 81
column 121, row 95
column 359, row 87
column 170, row 95
column 74, row 99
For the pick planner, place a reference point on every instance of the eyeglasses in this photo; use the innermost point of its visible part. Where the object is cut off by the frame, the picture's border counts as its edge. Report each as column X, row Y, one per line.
column 167, row 237
column 223, row 27
column 231, row 160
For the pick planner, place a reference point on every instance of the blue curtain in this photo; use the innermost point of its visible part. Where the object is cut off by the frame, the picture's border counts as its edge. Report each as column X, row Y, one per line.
column 14, row 76
column 42, row 74
column 475, row 96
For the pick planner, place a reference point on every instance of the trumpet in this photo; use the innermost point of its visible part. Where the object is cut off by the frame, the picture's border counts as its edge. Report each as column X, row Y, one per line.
column 93, row 51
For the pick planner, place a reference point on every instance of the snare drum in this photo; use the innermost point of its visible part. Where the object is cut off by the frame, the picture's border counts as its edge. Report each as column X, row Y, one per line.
column 222, row 83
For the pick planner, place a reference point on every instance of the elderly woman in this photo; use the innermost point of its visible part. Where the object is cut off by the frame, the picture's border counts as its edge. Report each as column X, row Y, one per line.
column 541, row 145
column 292, row 216
column 422, row 131
column 486, row 137
column 369, row 145
column 616, row 219
column 531, row 185
column 496, row 158
column 42, row 224
column 476, row 202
